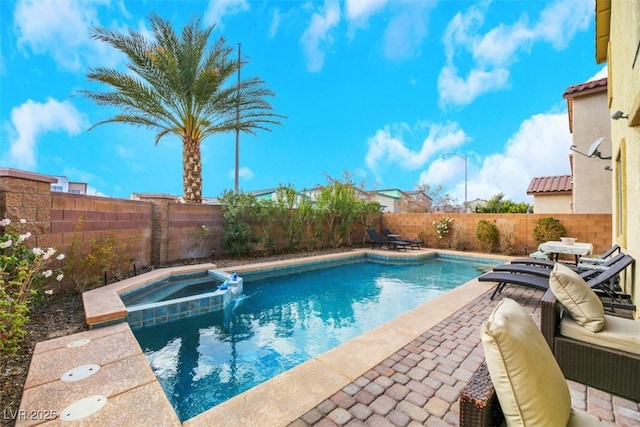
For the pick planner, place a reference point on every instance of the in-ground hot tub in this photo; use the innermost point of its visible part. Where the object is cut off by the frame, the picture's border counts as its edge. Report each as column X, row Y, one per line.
column 179, row 296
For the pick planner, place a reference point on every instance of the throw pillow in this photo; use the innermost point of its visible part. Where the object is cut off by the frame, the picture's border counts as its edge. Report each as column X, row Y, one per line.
column 528, row 381
column 577, row 297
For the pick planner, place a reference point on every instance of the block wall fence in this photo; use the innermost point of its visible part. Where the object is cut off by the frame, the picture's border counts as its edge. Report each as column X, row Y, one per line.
column 160, row 229
column 593, row 228
column 163, row 231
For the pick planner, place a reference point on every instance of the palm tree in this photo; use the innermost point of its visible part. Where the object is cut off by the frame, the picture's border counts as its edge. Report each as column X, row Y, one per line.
column 178, row 85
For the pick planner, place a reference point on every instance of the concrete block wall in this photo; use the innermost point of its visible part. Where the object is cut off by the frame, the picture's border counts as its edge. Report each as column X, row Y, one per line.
column 158, row 230
column 87, row 218
column 592, row 228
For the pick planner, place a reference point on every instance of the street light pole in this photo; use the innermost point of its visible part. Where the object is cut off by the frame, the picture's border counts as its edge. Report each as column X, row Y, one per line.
column 465, row 176
column 237, row 174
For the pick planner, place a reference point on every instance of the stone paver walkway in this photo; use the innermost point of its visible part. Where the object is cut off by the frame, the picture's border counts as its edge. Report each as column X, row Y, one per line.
column 420, row 383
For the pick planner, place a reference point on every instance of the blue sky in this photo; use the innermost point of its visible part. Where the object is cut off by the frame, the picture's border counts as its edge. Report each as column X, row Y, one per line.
column 381, row 89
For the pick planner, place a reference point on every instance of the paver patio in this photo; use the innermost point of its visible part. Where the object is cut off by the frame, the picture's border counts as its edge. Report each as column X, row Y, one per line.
column 419, row 384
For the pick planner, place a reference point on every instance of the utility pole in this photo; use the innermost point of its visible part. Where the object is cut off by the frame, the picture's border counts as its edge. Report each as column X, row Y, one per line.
column 237, row 180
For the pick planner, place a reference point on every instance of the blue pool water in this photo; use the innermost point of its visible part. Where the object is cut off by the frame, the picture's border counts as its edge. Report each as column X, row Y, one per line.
column 282, row 321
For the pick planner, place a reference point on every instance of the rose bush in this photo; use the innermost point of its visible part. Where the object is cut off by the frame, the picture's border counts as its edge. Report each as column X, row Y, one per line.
column 23, row 271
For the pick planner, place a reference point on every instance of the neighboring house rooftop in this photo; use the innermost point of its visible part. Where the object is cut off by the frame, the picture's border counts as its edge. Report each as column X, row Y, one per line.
column 550, row 184
column 582, row 89
column 585, row 88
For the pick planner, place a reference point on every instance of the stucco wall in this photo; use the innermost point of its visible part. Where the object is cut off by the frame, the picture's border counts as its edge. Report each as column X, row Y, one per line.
column 552, row 203
column 591, row 182
column 624, row 83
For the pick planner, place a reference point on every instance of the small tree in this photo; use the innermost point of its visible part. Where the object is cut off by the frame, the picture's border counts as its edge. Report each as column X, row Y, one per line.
column 336, row 203
column 486, row 235
column 286, row 210
column 547, row 229
column 238, row 213
column 497, row 204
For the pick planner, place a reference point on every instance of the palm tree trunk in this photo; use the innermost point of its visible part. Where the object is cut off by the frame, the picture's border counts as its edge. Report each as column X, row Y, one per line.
column 192, row 170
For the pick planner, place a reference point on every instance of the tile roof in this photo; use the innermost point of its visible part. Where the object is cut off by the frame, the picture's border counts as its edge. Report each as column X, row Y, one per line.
column 585, row 88
column 550, row 184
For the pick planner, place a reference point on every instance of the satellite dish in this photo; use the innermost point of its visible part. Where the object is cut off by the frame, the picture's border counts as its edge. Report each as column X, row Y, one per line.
column 593, row 149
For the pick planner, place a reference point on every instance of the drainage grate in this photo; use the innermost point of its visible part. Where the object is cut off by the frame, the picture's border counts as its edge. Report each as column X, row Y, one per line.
column 79, row 373
column 78, row 343
column 83, row 408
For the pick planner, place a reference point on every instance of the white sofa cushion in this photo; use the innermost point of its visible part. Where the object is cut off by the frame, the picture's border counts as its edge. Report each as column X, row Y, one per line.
column 577, row 297
column 528, row 381
column 618, row 333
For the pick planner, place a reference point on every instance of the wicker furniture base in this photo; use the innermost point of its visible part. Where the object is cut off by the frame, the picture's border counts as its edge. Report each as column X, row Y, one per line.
column 479, row 404
column 613, row 371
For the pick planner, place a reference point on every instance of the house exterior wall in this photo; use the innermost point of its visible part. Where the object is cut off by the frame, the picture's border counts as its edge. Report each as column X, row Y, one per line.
column 388, row 203
column 624, row 92
column 552, row 203
column 591, row 181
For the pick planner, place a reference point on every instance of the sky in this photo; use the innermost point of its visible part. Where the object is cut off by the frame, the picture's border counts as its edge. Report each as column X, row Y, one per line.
column 394, row 93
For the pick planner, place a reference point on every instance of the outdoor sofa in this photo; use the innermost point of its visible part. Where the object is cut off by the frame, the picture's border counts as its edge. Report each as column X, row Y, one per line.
column 611, row 370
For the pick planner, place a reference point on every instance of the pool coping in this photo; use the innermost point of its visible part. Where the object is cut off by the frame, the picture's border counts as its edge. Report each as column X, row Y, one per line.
column 278, row 401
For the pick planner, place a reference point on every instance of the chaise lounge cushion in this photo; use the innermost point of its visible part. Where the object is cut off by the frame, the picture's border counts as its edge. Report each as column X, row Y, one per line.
column 618, row 333
column 577, row 297
column 528, row 381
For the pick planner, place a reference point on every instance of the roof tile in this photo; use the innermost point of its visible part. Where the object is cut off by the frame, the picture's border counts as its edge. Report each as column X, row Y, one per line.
column 550, row 184
column 585, row 88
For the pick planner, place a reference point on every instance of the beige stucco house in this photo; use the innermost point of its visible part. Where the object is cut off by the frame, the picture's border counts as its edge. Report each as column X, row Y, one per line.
column 588, row 188
column 590, row 127
column 551, row 194
column 618, row 44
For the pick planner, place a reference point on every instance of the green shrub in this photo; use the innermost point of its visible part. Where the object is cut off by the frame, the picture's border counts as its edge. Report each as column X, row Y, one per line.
column 547, row 229
column 23, row 271
column 486, row 235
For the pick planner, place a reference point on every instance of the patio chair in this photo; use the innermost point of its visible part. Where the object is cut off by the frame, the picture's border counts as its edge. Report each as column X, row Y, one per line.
column 601, row 281
column 590, row 346
column 519, row 382
column 390, row 244
column 415, row 244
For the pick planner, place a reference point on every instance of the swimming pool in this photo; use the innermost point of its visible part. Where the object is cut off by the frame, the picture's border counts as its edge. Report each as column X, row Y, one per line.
column 282, row 321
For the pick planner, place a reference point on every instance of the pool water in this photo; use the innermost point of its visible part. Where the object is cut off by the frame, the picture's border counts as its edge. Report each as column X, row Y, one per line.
column 283, row 321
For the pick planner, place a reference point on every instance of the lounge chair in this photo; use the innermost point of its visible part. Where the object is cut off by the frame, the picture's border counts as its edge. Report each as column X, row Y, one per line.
column 389, row 244
column 543, row 270
column 601, row 281
column 415, row 244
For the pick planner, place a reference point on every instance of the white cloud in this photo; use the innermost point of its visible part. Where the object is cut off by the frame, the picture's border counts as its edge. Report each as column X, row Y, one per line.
column 560, row 21
column 496, row 50
column 318, row 37
column 600, row 74
column 462, row 91
column 33, row 119
column 79, row 175
column 362, row 9
column 406, row 31
column 358, row 12
column 217, row 9
column 540, row 147
column 244, row 173
column 275, row 23
column 124, row 152
column 59, row 28
column 387, row 148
